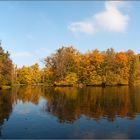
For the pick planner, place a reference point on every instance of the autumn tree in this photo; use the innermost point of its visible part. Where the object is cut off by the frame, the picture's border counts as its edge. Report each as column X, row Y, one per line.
column 29, row 75
column 108, row 68
column 92, row 68
column 96, row 62
column 132, row 62
column 36, row 75
column 121, row 67
column 62, row 62
column 24, row 75
column 137, row 69
column 6, row 67
column 68, row 67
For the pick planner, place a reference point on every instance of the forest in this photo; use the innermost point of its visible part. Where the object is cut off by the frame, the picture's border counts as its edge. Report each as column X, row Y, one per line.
column 69, row 67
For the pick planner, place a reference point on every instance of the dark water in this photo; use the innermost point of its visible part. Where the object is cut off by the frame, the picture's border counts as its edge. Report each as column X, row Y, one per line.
column 92, row 112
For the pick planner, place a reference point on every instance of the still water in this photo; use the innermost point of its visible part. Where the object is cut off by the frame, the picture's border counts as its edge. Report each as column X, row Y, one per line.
column 66, row 112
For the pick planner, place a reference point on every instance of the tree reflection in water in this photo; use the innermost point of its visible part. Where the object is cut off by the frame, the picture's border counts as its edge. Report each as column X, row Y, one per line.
column 68, row 103
column 5, row 106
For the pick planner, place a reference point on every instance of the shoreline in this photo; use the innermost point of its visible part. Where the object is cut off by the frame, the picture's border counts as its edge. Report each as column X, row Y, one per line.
column 66, row 85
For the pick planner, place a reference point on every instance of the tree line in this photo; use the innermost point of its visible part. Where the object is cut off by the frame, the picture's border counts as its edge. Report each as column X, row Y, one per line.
column 69, row 67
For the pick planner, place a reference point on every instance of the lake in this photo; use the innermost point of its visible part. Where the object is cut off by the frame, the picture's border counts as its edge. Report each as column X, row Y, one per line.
column 68, row 112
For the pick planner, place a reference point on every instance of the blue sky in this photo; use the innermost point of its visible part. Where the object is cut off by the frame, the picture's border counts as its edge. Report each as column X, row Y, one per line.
column 33, row 30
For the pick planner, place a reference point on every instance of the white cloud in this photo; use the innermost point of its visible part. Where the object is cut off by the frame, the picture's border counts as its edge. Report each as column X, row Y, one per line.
column 35, row 52
column 22, row 54
column 30, row 57
column 84, row 26
column 111, row 19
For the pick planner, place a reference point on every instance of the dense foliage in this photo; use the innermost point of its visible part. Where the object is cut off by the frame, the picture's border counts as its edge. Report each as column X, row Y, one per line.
column 67, row 66
column 6, row 68
column 28, row 75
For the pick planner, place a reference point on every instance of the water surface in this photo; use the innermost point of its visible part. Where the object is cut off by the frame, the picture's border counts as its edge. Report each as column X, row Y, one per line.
column 91, row 112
